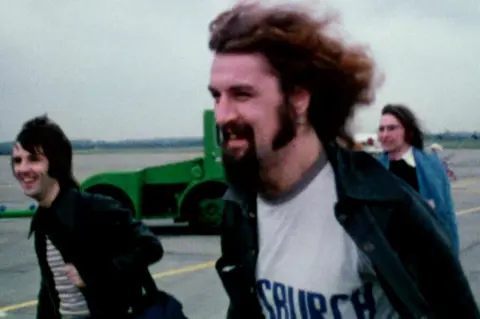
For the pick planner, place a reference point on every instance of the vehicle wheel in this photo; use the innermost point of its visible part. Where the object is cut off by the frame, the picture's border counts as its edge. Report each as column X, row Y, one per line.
column 204, row 206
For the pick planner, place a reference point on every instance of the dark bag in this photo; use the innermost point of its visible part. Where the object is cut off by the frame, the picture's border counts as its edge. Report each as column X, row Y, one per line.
column 157, row 304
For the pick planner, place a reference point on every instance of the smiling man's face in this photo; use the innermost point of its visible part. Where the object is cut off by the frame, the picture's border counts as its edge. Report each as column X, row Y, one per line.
column 251, row 111
column 31, row 171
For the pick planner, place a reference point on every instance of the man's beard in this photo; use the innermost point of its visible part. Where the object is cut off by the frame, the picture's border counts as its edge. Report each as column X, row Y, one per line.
column 244, row 173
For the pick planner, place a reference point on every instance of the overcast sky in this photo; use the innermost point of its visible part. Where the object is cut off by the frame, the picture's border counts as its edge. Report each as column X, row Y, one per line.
column 139, row 69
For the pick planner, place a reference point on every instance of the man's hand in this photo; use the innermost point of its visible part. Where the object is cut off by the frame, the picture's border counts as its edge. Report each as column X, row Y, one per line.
column 72, row 273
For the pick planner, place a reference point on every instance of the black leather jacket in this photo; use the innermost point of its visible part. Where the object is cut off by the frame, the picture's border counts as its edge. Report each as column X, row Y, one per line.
column 109, row 249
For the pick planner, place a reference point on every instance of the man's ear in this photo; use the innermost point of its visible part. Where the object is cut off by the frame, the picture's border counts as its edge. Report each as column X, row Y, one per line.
column 300, row 100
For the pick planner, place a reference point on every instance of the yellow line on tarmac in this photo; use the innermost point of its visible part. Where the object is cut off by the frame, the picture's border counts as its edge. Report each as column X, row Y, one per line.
column 167, row 273
column 468, row 211
column 19, row 306
column 183, row 270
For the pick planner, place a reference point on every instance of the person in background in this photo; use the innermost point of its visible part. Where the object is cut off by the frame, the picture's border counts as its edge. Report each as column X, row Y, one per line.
column 402, row 140
column 435, row 149
column 93, row 256
column 311, row 228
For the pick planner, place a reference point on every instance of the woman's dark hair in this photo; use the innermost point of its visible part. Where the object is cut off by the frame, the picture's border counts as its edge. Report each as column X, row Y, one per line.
column 413, row 133
column 42, row 135
column 302, row 52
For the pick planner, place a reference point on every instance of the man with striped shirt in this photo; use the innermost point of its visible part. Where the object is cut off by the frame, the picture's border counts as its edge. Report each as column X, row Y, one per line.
column 93, row 255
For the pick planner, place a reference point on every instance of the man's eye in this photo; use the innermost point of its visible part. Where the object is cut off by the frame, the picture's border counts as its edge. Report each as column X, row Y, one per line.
column 16, row 160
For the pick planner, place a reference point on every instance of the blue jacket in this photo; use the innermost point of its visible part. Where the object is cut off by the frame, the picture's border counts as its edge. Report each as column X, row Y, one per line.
column 434, row 185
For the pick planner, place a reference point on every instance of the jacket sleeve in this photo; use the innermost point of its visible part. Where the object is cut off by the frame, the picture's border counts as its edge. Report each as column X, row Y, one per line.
column 139, row 246
column 435, row 263
column 231, row 269
column 44, row 305
column 227, row 222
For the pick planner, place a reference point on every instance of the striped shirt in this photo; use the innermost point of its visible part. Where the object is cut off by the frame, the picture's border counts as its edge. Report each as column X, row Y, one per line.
column 72, row 301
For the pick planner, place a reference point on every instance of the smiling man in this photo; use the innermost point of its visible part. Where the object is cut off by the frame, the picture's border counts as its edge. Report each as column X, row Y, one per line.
column 312, row 229
column 93, row 256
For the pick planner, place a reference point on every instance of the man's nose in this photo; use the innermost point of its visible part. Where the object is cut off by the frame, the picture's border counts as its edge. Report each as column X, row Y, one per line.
column 21, row 167
column 224, row 112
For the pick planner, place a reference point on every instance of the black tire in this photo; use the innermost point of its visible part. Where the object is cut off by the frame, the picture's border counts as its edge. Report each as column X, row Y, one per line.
column 192, row 210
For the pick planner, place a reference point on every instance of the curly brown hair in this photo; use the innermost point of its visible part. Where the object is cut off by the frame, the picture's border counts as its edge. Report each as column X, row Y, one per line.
column 302, row 53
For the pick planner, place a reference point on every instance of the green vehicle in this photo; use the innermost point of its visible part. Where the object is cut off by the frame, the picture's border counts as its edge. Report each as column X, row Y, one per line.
column 187, row 191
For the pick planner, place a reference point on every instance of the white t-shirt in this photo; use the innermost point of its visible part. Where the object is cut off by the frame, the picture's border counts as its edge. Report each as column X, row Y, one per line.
column 308, row 266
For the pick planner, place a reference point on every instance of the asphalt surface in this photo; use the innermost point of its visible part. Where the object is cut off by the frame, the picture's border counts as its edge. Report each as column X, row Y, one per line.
column 187, row 267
